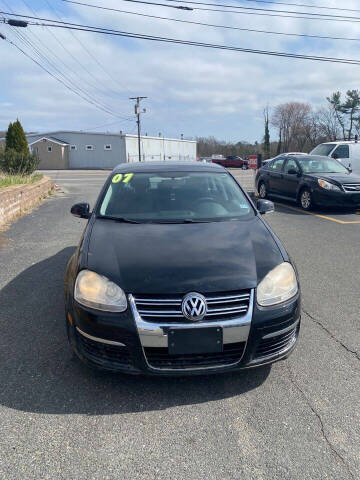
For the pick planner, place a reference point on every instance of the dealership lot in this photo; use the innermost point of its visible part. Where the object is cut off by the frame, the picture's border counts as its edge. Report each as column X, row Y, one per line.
column 298, row 419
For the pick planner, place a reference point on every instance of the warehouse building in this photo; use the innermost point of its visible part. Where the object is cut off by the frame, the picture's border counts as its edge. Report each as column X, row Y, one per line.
column 70, row 149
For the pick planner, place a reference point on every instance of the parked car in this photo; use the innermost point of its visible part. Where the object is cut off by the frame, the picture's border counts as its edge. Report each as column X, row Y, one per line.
column 310, row 180
column 178, row 273
column 283, row 155
column 232, row 161
column 347, row 152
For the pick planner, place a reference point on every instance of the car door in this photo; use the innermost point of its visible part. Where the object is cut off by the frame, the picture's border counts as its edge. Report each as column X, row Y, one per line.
column 291, row 178
column 276, row 175
column 342, row 153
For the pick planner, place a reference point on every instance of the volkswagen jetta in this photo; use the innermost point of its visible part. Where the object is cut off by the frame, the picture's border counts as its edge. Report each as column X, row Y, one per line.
column 177, row 272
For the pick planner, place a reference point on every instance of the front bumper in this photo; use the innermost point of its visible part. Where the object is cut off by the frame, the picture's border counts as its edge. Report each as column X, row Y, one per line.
column 125, row 342
column 336, row 199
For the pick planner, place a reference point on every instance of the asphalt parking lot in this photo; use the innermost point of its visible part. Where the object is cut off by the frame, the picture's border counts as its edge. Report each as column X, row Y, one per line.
column 299, row 419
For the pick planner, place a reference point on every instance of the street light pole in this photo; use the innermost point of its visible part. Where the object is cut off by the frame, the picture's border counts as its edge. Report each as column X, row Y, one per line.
column 137, row 113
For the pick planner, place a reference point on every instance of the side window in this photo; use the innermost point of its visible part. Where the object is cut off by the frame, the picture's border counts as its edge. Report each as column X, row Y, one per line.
column 276, row 165
column 342, row 151
column 291, row 165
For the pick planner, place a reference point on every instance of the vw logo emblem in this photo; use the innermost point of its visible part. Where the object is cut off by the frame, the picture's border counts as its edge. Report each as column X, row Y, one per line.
column 194, row 306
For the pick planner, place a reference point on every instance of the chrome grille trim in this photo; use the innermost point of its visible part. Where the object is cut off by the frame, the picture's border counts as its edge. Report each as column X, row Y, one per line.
column 218, row 305
column 155, row 334
column 100, row 340
column 351, row 187
column 276, row 344
column 151, row 301
column 279, row 332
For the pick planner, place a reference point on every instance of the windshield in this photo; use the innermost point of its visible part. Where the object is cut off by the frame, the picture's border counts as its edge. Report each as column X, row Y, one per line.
column 174, row 197
column 321, row 165
column 323, row 149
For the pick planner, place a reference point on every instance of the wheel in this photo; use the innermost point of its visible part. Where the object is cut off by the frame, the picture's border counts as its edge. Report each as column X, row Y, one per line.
column 305, row 199
column 244, row 167
column 262, row 190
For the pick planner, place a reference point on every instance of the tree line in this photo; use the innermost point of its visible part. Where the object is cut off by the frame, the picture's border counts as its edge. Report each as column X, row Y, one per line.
column 299, row 127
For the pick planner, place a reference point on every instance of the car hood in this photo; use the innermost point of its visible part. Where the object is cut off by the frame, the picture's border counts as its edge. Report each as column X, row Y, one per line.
column 180, row 258
column 338, row 177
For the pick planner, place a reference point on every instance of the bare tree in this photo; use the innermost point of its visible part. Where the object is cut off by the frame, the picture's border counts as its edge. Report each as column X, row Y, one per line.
column 292, row 119
column 328, row 124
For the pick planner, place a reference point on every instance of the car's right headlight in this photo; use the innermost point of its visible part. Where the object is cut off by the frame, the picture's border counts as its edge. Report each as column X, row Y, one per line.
column 279, row 285
column 96, row 291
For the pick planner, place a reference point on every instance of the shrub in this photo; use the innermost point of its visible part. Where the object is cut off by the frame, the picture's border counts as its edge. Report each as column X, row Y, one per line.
column 19, row 163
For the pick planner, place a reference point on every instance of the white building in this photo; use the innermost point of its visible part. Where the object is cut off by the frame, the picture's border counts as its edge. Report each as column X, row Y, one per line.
column 70, row 149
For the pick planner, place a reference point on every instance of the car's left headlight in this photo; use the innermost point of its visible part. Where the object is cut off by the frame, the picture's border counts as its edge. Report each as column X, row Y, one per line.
column 328, row 185
column 96, row 291
column 279, row 285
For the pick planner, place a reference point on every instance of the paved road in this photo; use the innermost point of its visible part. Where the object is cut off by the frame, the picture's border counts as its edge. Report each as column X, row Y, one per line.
column 299, row 419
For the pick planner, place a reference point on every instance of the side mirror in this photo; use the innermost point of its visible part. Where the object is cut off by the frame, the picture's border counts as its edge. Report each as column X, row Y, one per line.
column 81, row 210
column 265, row 206
column 293, row 171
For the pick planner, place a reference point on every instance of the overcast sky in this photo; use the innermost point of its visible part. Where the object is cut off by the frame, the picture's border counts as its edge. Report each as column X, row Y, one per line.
column 190, row 90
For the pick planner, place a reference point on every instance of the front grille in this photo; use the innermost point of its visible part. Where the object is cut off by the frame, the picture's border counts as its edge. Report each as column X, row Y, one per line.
column 277, row 344
column 160, row 358
column 351, row 187
column 103, row 354
column 221, row 306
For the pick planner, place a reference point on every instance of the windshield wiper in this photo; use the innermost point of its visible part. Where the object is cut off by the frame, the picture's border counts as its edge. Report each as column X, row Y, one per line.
column 181, row 220
column 118, row 219
column 192, row 220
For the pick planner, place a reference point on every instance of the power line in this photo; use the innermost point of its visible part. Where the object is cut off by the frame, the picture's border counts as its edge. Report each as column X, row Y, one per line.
column 323, row 37
column 253, row 10
column 107, row 125
column 195, row 2
column 42, row 57
column 57, row 78
column 270, row 2
column 77, row 60
column 88, row 28
column 105, row 70
column 179, row 7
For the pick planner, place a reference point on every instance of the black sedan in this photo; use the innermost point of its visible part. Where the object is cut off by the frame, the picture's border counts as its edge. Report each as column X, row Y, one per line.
column 177, row 273
column 310, row 180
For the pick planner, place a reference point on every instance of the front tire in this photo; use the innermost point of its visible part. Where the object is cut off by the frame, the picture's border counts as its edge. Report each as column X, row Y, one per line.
column 305, row 199
column 262, row 190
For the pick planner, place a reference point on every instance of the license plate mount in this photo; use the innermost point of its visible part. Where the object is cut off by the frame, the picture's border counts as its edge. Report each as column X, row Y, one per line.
column 187, row 341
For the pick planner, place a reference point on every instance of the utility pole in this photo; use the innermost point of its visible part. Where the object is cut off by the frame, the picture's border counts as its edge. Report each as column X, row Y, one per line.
column 137, row 113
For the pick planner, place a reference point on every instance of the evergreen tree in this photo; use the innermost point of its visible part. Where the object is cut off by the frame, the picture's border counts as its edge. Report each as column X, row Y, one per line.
column 9, row 137
column 18, row 138
column 16, row 159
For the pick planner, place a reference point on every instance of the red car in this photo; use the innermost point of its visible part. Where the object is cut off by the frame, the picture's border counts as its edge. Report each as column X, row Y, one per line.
column 232, row 161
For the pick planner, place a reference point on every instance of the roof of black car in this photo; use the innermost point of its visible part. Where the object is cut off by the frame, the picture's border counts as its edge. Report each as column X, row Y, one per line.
column 166, row 167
